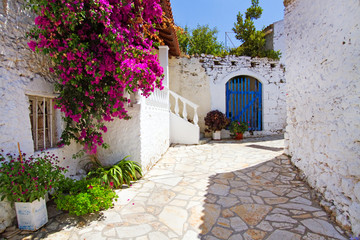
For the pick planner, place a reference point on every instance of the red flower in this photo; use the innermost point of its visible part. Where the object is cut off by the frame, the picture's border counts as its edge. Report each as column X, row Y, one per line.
column 111, row 184
column 90, row 187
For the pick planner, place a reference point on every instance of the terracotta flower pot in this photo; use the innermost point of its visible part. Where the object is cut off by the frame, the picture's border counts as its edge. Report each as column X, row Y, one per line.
column 239, row 136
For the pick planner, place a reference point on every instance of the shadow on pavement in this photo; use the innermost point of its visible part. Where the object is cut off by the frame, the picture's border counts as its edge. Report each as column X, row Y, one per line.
column 265, row 201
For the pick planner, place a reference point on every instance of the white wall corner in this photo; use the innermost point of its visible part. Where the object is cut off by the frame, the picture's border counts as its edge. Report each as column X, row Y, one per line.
column 164, row 63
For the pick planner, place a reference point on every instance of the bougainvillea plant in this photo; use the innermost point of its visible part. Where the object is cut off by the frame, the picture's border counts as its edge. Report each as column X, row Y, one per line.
column 101, row 50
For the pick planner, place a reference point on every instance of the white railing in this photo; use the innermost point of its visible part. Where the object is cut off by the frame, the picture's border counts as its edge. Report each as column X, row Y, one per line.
column 185, row 102
column 158, row 98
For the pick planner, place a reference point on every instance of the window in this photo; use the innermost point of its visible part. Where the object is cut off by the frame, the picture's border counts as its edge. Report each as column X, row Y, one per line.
column 42, row 118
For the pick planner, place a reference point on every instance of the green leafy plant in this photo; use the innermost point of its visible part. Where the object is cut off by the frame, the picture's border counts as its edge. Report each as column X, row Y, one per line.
column 84, row 196
column 253, row 40
column 200, row 40
column 121, row 173
column 215, row 121
column 27, row 179
column 238, row 127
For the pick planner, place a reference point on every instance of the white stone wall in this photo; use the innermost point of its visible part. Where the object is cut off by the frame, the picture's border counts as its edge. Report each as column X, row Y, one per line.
column 323, row 102
column 269, row 72
column 189, row 80
column 144, row 137
column 203, row 79
column 123, row 137
column 22, row 73
column 155, row 134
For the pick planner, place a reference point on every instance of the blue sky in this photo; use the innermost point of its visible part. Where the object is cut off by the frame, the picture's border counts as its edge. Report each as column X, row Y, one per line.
column 222, row 14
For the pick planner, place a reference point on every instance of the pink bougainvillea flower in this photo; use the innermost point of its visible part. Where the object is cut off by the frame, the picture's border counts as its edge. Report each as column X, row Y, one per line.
column 32, row 45
column 100, row 51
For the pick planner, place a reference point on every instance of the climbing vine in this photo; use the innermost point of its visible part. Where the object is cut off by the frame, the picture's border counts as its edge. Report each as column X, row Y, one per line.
column 101, row 50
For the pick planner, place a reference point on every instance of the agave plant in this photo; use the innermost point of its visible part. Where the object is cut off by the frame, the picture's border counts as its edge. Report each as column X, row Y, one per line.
column 121, row 173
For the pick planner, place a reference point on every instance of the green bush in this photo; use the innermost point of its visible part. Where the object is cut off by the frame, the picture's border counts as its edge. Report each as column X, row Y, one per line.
column 238, row 127
column 121, row 173
column 84, row 196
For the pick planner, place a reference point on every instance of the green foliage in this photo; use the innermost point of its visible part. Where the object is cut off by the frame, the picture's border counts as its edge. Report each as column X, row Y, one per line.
column 238, row 127
column 200, row 40
column 121, row 173
column 84, row 196
column 253, row 40
column 215, row 121
column 183, row 38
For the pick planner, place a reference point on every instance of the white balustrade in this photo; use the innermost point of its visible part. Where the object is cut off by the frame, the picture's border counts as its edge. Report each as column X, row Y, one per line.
column 158, row 98
column 185, row 103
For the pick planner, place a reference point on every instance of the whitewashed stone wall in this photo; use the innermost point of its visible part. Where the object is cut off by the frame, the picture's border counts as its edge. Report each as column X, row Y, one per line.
column 144, row 138
column 323, row 102
column 203, row 78
column 22, row 72
column 155, row 134
column 123, row 137
column 189, row 80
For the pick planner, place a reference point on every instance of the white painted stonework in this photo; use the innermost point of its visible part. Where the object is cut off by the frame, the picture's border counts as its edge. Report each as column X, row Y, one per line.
column 22, row 72
column 323, row 102
column 204, row 78
column 189, row 80
column 155, row 134
column 123, row 138
column 144, row 138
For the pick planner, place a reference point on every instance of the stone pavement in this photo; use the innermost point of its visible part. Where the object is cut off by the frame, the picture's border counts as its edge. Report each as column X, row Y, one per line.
column 219, row 190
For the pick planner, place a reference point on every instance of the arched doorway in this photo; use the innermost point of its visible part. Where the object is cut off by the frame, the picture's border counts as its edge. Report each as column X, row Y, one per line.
column 244, row 101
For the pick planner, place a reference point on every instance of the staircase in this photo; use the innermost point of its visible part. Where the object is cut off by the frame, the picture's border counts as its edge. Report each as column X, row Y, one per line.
column 184, row 128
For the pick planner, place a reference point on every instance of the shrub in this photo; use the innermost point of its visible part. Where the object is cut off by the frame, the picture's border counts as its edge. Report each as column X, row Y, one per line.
column 238, row 127
column 121, row 173
column 215, row 121
column 27, row 179
column 84, row 196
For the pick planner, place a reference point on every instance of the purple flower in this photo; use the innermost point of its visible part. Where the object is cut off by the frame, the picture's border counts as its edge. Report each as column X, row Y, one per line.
column 32, row 45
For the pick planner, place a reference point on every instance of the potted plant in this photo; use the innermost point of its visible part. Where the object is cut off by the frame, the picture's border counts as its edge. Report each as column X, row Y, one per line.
column 25, row 181
column 237, row 129
column 215, row 121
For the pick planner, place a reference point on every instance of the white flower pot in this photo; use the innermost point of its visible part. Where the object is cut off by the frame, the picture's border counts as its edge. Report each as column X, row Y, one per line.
column 31, row 216
column 216, row 135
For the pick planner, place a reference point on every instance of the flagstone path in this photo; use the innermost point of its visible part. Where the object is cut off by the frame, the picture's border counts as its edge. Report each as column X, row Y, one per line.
column 219, row 190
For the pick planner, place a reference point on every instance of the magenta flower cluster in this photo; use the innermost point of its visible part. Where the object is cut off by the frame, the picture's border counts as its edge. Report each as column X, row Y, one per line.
column 101, row 50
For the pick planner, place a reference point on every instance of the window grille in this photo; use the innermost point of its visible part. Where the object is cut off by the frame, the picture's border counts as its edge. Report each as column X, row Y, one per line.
column 42, row 118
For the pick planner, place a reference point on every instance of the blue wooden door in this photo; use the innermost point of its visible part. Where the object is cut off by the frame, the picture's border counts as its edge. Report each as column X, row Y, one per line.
column 244, row 101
